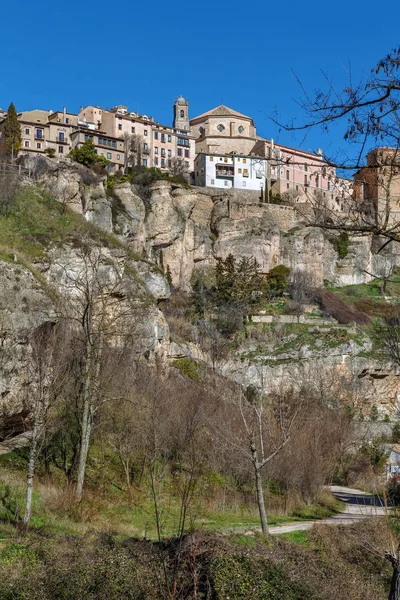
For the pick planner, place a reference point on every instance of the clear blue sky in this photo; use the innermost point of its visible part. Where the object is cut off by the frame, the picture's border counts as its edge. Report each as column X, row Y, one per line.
column 146, row 54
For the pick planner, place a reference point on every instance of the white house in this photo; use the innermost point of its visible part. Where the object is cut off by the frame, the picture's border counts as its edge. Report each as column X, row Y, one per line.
column 230, row 170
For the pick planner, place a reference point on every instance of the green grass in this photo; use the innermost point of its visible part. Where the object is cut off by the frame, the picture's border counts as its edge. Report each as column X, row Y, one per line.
column 297, row 537
column 38, row 221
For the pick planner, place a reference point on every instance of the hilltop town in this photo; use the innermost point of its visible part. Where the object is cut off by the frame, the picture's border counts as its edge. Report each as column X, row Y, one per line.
column 217, row 149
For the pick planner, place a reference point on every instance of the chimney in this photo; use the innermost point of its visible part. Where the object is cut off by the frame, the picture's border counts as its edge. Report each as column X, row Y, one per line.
column 65, row 114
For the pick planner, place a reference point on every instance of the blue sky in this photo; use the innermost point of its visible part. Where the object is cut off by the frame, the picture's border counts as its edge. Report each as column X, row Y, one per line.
column 146, row 54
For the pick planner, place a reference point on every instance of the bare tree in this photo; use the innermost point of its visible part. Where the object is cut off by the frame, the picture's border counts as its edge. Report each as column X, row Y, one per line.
column 103, row 316
column 133, row 146
column 178, row 167
column 259, row 428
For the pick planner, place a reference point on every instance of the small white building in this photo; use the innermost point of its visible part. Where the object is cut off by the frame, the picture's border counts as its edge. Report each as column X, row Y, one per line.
column 393, row 461
column 230, row 171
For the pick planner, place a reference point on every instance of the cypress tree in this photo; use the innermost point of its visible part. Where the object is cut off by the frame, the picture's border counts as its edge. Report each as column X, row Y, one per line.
column 12, row 133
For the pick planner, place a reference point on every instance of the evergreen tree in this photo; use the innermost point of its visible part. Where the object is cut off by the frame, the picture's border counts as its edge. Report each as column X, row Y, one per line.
column 86, row 155
column 12, row 134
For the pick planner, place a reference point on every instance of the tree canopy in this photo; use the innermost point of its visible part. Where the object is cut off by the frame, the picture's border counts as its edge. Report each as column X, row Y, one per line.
column 12, row 134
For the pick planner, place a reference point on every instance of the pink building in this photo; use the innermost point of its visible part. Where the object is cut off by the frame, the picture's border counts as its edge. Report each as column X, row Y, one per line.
column 158, row 143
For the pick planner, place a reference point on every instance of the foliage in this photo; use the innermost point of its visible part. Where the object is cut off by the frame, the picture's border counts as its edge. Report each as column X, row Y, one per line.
column 12, row 133
column 239, row 577
column 188, row 367
column 238, row 282
column 393, row 489
column 86, row 155
column 9, row 507
column 376, row 454
column 51, row 152
column 341, row 244
column 145, row 176
column 277, row 280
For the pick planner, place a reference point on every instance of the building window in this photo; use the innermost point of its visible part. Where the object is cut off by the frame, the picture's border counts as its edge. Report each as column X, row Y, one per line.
column 132, row 130
column 169, row 163
column 27, row 131
column 241, row 129
column 245, row 173
column 329, row 185
column 145, row 132
column 145, row 146
column 156, row 150
column 162, row 151
column 287, row 186
column 163, row 138
column 183, row 141
column 26, row 144
column 182, row 113
column 163, row 162
column 306, row 167
column 156, row 135
column 287, row 174
column 66, row 120
column 156, row 160
column 61, row 149
column 180, row 152
column 297, row 188
column 239, row 170
column 305, row 179
column 244, row 160
column 118, row 157
column 169, row 153
column 220, row 127
column 120, row 126
column 38, row 145
column 211, row 157
column 145, row 162
column 169, row 138
column 39, row 134
column 109, row 155
column 187, row 153
column 317, row 180
column 89, row 137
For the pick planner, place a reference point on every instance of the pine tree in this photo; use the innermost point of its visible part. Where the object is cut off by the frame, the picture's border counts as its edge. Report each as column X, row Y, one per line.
column 12, row 134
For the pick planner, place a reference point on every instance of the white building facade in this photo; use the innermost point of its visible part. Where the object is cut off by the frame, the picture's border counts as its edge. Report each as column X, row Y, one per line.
column 230, row 171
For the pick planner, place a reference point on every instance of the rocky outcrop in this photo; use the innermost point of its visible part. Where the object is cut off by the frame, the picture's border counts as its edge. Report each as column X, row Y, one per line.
column 186, row 229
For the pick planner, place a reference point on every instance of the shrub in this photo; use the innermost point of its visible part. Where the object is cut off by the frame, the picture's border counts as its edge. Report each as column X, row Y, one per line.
column 188, row 367
column 51, row 152
column 341, row 244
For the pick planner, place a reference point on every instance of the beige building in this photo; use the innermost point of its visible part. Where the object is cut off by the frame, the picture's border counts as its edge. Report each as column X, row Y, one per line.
column 157, row 144
column 111, row 148
column 223, row 130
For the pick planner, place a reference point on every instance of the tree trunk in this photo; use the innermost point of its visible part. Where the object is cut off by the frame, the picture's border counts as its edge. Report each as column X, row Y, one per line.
column 84, row 448
column 260, row 501
column 29, row 478
column 394, row 593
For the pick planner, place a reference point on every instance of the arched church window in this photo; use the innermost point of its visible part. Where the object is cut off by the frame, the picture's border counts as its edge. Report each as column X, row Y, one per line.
column 182, row 114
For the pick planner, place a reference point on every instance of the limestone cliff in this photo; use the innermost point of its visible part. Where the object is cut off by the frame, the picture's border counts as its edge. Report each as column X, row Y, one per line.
column 189, row 228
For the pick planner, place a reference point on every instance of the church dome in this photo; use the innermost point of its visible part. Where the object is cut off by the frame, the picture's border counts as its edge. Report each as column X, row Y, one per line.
column 180, row 100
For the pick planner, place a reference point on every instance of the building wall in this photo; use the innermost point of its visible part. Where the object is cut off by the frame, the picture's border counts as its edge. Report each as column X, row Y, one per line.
column 230, row 171
column 379, row 182
column 111, row 148
column 223, row 133
column 159, row 143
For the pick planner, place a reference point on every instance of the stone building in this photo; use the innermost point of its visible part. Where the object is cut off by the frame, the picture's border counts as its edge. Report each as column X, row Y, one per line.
column 223, row 130
column 377, row 185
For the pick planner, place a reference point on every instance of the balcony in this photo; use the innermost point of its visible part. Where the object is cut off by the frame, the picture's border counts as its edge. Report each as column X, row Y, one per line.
column 225, row 172
column 61, row 140
column 39, row 138
column 146, row 151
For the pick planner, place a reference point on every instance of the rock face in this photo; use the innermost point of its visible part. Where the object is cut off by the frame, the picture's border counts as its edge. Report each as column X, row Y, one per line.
column 186, row 229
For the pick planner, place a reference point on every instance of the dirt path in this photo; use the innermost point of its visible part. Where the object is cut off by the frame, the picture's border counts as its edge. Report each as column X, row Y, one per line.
column 358, row 505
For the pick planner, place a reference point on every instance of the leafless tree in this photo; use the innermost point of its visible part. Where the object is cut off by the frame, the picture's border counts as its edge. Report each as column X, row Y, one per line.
column 104, row 317
column 133, row 146
column 178, row 167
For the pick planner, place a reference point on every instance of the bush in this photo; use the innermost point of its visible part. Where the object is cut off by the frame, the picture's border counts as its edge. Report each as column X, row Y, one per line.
column 393, row 489
column 188, row 367
column 341, row 244
column 51, row 152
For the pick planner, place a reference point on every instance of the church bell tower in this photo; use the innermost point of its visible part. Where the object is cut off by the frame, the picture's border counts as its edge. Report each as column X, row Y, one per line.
column 181, row 114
